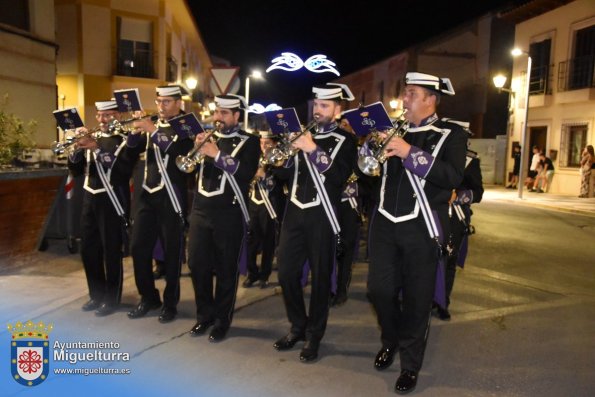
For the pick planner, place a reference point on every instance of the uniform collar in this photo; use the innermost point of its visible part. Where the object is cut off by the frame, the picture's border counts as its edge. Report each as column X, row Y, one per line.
column 232, row 130
column 323, row 129
column 426, row 122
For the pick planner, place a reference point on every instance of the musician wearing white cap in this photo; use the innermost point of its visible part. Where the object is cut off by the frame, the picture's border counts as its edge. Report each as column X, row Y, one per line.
column 264, row 205
column 161, row 207
column 219, row 217
column 107, row 166
column 310, row 228
column 410, row 222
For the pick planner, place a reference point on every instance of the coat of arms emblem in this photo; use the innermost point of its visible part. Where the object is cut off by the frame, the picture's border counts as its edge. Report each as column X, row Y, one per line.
column 29, row 352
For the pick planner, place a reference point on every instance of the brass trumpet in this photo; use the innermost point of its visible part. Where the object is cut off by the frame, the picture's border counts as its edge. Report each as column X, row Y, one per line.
column 68, row 144
column 370, row 164
column 122, row 125
column 189, row 162
column 278, row 154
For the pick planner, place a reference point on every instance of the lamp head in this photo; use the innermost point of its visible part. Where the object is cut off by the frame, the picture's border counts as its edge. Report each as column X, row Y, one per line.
column 191, row 83
column 499, row 81
column 516, row 52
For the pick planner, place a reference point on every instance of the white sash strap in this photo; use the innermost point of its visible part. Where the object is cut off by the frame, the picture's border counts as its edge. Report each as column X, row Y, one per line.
column 109, row 189
column 267, row 202
column 168, row 185
column 424, row 205
column 460, row 213
column 352, row 202
column 326, row 203
column 239, row 196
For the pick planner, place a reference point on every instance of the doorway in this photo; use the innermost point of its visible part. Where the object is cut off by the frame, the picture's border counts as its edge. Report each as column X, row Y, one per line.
column 537, row 137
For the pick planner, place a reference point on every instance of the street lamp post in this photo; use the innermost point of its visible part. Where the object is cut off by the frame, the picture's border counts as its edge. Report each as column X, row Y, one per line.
column 256, row 74
column 499, row 81
column 516, row 52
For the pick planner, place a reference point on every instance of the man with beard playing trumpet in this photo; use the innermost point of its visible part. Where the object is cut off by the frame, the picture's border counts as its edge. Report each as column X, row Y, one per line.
column 220, row 216
column 310, row 228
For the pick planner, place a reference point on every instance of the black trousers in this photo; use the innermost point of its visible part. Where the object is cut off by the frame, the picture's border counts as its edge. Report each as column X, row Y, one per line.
column 349, row 222
column 102, row 231
column 215, row 242
column 401, row 281
column 457, row 230
column 262, row 238
column 306, row 235
column 156, row 218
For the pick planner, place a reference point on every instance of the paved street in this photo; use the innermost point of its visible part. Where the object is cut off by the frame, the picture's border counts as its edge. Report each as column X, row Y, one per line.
column 523, row 323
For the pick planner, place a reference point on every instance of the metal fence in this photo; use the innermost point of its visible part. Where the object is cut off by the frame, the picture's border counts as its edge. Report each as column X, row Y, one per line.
column 576, row 73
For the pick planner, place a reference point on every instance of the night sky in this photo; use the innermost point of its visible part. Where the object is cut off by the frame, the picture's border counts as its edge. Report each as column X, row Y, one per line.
column 352, row 34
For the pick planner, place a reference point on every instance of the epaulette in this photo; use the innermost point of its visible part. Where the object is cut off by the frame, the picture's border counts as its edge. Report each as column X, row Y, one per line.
column 463, row 124
column 472, row 154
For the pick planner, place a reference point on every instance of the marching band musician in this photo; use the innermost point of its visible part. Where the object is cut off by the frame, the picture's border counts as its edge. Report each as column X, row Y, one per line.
column 468, row 192
column 219, row 217
column 319, row 171
column 349, row 220
column 161, row 205
column 264, row 207
column 107, row 166
column 405, row 241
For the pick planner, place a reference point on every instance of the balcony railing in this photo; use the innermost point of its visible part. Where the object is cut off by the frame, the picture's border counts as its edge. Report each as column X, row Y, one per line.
column 134, row 62
column 541, row 77
column 576, row 73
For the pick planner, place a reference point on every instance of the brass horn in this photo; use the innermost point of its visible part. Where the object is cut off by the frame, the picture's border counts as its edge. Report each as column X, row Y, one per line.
column 370, row 164
column 189, row 162
column 278, row 154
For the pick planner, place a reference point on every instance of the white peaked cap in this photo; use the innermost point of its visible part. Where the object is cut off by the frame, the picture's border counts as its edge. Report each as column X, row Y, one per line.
column 231, row 101
column 441, row 85
column 106, row 105
column 333, row 91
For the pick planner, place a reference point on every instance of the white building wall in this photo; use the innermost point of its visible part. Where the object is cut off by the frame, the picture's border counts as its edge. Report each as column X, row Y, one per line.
column 559, row 108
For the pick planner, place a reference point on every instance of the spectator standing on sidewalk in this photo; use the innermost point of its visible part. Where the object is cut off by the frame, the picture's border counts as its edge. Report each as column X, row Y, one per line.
column 533, row 171
column 545, row 175
column 587, row 161
column 516, row 154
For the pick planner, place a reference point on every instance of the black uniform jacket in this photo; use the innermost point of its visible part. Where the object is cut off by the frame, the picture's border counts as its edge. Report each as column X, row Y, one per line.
column 437, row 156
column 112, row 154
column 239, row 155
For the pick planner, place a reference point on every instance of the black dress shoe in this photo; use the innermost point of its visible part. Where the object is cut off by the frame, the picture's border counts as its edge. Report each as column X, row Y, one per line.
column 143, row 308
column 167, row 315
column 159, row 270
column 105, row 309
column 309, row 352
column 443, row 314
column 385, row 358
column 218, row 333
column 248, row 283
column 288, row 341
column 200, row 328
column 406, row 382
column 264, row 284
column 91, row 305
column 338, row 300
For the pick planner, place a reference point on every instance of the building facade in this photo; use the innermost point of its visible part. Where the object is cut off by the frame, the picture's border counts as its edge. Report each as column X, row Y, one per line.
column 469, row 55
column 106, row 45
column 28, row 63
column 561, row 43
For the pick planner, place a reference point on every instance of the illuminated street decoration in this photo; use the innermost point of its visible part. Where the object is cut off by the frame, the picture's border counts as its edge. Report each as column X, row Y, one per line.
column 257, row 108
column 290, row 62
